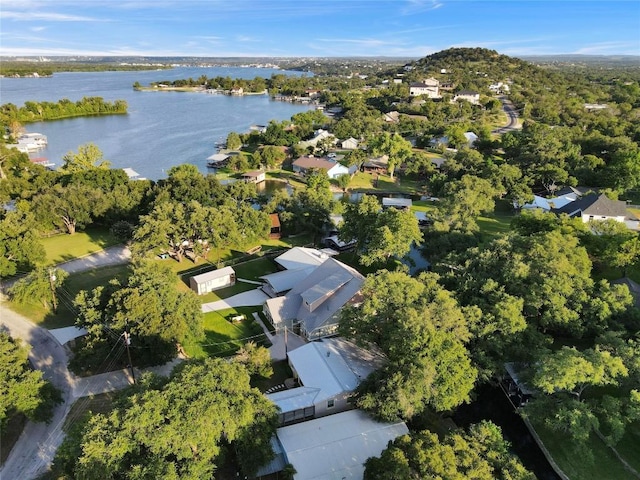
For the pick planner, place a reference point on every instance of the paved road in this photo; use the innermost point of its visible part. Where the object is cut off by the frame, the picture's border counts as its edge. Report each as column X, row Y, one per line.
column 33, row 453
column 512, row 115
column 35, row 449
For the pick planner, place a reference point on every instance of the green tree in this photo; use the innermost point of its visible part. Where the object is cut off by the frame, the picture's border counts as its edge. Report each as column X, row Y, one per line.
column 343, row 181
column 88, row 157
column 22, row 389
column 421, row 329
column 42, row 283
column 379, row 234
column 394, row 146
column 20, row 247
column 571, row 370
column 256, row 359
column 481, row 453
column 233, row 141
column 72, row 208
column 180, row 429
column 466, row 199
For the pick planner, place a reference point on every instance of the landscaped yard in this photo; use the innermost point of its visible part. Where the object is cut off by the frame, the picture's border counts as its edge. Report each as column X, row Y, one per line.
column 224, row 337
column 366, row 182
column 61, row 248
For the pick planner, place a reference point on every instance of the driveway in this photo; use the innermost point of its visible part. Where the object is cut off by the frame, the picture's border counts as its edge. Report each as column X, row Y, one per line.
column 512, row 115
column 116, row 255
column 244, row 299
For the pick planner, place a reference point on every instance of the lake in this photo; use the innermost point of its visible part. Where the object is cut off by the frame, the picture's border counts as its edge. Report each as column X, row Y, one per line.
column 161, row 130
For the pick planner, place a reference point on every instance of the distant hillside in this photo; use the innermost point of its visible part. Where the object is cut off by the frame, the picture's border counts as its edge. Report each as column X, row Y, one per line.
column 587, row 60
column 474, row 68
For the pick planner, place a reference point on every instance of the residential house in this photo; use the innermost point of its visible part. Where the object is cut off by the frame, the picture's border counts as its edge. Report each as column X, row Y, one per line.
column 376, row 165
column 317, row 137
column 467, row 95
column 595, row 207
column 349, row 144
column 428, row 88
column 562, row 198
column 214, row 280
column 332, row 447
column 312, row 307
column 499, row 87
column 254, row 176
column 334, row 169
column 328, row 372
column 295, row 265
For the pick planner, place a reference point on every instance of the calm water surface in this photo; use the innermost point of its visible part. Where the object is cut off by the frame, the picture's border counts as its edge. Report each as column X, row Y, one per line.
column 162, row 129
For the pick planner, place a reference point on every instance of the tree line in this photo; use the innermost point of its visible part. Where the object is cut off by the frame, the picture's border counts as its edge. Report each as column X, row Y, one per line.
column 64, row 108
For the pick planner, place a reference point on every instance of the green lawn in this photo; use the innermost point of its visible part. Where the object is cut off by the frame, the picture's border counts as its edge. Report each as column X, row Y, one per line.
column 493, row 225
column 61, row 248
column 66, row 316
column 364, row 182
column 629, row 446
column 223, row 337
column 281, row 371
column 575, row 465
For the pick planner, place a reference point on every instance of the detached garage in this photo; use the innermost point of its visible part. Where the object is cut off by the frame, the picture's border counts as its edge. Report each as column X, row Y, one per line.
column 214, row 280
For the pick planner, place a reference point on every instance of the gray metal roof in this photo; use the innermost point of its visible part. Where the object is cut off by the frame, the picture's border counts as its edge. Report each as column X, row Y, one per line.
column 221, row 272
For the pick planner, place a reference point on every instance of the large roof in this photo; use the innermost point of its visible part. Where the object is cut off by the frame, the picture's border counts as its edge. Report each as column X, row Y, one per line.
column 336, row 446
column 314, row 162
column 595, row 204
column 326, row 368
column 282, row 309
column 301, row 257
column 287, row 279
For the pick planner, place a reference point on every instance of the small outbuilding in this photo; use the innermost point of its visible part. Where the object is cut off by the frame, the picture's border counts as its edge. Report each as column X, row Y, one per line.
column 276, row 229
column 214, row 280
column 254, row 176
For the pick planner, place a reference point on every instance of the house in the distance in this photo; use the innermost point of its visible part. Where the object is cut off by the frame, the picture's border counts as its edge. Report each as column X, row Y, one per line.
column 328, row 372
column 349, row 144
column 467, row 95
column 312, row 307
column 428, row 88
column 376, row 165
column 254, row 176
column 334, row 169
column 317, row 137
column 595, row 207
column 214, row 280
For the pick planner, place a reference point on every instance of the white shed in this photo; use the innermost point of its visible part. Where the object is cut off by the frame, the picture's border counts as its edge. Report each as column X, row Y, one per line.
column 214, row 280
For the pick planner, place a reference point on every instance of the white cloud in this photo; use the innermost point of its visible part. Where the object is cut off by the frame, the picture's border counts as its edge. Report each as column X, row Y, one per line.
column 37, row 29
column 415, row 6
column 46, row 16
column 609, row 48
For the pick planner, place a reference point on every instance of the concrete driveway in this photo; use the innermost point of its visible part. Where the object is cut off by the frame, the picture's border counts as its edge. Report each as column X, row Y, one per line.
column 244, row 299
column 116, row 255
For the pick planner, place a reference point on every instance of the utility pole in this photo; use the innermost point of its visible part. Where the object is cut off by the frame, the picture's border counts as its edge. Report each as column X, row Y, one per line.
column 127, row 342
column 52, row 279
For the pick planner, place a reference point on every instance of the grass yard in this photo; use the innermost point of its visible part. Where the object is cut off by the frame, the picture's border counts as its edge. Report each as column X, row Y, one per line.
column 223, row 337
column 62, row 248
column 574, row 464
column 364, row 182
column 10, row 434
column 66, row 315
column 494, row 225
column 629, row 446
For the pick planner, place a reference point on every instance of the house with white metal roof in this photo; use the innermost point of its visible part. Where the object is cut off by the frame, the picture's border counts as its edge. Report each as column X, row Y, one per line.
column 297, row 264
column 312, row 307
column 328, row 371
column 336, row 446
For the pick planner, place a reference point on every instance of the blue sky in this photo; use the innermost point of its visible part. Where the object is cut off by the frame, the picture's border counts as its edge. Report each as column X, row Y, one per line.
column 407, row 28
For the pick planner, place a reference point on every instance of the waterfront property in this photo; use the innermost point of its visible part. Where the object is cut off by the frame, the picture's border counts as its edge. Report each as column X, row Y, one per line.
column 302, row 165
column 398, row 203
column 214, row 280
column 217, row 160
column 254, row 176
column 295, row 265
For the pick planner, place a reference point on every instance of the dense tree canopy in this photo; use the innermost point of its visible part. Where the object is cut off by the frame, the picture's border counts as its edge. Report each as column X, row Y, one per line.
column 22, row 389
column 179, row 429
